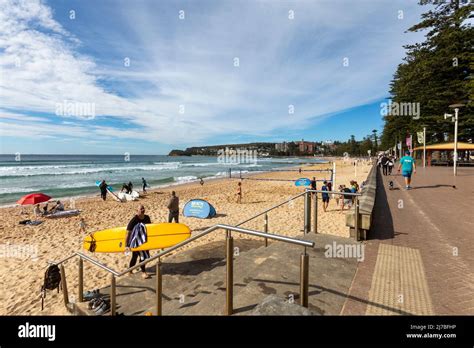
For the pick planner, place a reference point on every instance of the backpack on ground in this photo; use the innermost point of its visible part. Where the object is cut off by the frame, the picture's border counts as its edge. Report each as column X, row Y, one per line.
column 52, row 280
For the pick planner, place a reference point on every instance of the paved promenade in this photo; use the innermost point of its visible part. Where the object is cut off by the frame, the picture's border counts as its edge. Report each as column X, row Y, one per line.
column 420, row 256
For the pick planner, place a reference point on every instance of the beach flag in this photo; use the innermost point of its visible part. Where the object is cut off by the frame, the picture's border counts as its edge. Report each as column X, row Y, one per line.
column 409, row 143
column 420, row 137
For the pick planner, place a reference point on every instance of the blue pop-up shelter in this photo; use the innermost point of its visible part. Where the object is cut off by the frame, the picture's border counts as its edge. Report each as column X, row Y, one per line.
column 199, row 208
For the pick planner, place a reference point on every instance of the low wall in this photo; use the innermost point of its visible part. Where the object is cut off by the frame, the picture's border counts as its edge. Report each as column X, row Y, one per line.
column 366, row 206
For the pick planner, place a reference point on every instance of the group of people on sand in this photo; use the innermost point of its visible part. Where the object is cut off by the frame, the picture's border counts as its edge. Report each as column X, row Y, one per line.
column 38, row 211
column 136, row 230
column 127, row 188
column 347, row 200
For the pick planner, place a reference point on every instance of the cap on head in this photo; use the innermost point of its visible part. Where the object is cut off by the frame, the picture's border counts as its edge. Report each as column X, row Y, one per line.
column 407, row 152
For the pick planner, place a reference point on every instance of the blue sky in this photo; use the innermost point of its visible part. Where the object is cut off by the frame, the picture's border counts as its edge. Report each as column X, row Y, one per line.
column 199, row 72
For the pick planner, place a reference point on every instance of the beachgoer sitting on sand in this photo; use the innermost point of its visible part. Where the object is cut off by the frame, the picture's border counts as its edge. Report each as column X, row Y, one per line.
column 58, row 207
column 136, row 237
column 325, row 196
column 239, row 193
column 37, row 211
column 45, row 209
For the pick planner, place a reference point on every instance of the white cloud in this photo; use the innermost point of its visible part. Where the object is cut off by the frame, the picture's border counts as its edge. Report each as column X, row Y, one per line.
column 190, row 63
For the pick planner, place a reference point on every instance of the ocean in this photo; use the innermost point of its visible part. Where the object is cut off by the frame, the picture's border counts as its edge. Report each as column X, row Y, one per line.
column 62, row 176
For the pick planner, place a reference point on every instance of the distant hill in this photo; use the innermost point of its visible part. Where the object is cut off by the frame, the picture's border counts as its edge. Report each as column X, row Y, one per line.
column 261, row 148
column 179, row 153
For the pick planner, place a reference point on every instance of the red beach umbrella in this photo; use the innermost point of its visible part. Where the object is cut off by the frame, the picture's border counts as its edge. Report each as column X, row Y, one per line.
column 33, row 198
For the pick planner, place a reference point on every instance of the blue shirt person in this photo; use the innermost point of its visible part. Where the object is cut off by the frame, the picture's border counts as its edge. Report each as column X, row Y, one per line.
column 325, row 196
column 407, row 165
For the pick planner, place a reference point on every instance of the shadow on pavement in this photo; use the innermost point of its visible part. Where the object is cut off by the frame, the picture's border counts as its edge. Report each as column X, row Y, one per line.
column 382, row 223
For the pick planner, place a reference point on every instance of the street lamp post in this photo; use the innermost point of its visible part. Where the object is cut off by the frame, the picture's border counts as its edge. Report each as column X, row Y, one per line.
column 455, row 120
column 424, row 146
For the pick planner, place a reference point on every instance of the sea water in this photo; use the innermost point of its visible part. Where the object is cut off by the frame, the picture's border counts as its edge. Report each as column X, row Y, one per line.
column 62, row 176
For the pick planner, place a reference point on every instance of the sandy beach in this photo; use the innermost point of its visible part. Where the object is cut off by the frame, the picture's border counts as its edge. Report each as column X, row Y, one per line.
column 27, row 249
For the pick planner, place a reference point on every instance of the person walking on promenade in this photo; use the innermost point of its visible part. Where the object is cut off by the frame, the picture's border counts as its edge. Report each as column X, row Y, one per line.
column 384, row 162
column 390, row 165
column 173, row 207
column 408, row 167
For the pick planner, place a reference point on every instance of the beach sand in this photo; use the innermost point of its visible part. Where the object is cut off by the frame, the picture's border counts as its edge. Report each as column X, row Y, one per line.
column 27, row 249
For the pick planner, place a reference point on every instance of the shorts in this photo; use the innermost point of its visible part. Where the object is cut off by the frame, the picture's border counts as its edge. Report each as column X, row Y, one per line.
column 326, row 199
column 406, row 174
column 347, row 201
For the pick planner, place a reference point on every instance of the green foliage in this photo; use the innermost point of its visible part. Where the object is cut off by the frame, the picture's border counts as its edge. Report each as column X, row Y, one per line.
column 436, row 73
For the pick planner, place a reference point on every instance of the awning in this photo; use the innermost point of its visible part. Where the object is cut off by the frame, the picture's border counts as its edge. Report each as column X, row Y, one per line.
column 446, row 147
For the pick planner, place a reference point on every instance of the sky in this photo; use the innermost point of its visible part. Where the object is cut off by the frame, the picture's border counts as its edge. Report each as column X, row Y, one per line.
column 145, row 77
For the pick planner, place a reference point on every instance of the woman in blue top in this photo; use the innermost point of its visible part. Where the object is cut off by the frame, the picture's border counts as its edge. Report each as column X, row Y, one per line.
column 407, row 164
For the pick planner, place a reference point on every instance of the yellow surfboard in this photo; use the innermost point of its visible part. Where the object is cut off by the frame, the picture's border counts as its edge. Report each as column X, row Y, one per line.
column 159, row 236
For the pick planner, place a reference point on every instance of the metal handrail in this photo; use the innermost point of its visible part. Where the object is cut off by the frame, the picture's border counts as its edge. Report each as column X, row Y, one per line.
column 212, row 228
column 226, row 227
column 335, row 192
column 229, row 261
column 293, row 198
column 269, row 209
column 187, row 241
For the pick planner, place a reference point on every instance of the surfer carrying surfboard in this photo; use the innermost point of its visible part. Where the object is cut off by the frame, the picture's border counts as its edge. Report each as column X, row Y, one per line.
column 103, row 190
column 136, row 235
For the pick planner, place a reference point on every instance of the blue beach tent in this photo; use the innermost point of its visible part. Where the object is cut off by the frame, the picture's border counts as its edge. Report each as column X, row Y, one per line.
column 303, row 182
column 199, row 208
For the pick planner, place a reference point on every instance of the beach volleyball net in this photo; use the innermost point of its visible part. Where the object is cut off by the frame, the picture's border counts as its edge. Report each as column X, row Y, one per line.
column 250, row 175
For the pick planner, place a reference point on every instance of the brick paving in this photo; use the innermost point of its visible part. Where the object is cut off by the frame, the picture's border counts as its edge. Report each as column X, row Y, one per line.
column 437, row 221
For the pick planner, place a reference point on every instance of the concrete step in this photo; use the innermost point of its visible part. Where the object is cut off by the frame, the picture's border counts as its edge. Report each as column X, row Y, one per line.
column 194, row 280
column 179, row 273
column 278, row 273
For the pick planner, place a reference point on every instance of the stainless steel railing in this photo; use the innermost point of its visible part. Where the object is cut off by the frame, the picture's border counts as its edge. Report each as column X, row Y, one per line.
column 309, row 213
column 304, row 264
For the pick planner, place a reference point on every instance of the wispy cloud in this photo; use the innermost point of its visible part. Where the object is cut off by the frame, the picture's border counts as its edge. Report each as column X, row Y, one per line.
column 182, row 85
